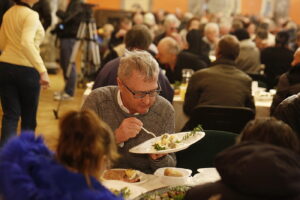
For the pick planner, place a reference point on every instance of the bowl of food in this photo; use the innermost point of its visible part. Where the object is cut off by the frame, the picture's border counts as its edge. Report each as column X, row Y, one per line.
column 173, row 175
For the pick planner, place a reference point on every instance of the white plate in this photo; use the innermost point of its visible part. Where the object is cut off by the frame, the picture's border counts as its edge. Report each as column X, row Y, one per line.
column 143, row 177
column 173, row 180
column 147, row 148
column 118, row 185
column 206, row 175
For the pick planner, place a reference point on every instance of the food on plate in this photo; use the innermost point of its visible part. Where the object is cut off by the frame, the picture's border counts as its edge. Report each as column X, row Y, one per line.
column 124, row 192
column 167, row 141
column 170, row 141
column 127, row 175
column 177, row 193
column 172, row 172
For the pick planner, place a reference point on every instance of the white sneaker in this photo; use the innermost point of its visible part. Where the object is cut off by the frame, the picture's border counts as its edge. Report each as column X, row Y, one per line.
column 57, row 93
column 63, row 96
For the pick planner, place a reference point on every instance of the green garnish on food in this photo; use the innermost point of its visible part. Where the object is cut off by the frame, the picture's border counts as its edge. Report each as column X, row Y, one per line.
column 124, row 192
column 193, row 132
column 158, row 147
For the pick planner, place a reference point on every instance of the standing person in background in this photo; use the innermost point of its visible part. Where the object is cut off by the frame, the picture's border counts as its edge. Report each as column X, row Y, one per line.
column 22, row 69
column 44, row 10
column 71, row 19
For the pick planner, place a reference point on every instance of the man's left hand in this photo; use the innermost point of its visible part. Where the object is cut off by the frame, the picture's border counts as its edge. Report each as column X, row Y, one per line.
column 156, row 156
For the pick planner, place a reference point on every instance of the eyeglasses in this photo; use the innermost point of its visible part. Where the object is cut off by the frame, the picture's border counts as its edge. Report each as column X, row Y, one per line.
column 142, row 94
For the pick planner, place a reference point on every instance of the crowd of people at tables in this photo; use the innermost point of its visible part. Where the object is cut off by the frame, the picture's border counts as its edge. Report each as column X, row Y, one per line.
column 264, row 164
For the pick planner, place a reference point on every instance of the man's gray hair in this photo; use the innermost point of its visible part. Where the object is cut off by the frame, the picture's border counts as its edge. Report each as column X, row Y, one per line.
column 171, row 19
column 140, row 61
column 172, row 44
column 211, row 26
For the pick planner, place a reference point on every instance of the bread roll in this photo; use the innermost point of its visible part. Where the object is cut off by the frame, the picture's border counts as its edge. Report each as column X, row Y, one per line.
column 172, row 172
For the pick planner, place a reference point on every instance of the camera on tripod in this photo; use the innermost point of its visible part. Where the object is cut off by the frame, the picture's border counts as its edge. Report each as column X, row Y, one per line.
column 88, row 11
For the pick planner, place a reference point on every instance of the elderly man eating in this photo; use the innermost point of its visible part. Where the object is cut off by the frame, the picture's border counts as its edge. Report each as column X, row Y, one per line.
column 134, row 104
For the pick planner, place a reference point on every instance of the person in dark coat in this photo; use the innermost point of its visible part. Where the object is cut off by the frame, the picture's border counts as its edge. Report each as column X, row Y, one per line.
column 71, row 19
column 289, row 112
column 44, row 10
column 197, row 46
column 175, row 61
column 288, row 84
column 253, row 171
column 222, row 83
column 277, row 59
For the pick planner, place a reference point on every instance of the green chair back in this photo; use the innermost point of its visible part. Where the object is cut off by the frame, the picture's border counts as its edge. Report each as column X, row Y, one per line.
column 202, row 153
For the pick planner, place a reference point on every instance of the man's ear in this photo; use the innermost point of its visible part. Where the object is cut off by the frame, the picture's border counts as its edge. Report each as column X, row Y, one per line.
column 119, row 82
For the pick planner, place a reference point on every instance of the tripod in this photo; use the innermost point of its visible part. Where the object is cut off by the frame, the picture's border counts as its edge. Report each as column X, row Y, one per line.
column 90, row 56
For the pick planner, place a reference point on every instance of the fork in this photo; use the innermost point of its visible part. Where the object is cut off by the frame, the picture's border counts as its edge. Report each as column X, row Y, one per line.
column 149, row 132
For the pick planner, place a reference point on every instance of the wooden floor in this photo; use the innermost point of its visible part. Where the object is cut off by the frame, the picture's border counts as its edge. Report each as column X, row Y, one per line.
column 47, row 125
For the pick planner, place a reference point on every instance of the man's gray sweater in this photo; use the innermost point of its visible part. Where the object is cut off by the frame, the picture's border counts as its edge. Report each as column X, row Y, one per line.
column 159, row 120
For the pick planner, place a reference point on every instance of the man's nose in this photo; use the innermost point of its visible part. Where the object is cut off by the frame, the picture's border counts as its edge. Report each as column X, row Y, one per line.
column 146, row 99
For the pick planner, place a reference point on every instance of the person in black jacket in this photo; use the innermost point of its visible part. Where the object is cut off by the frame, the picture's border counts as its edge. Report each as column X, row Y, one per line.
column 277, row 59
column 289, row 83
column 289, row 112
column 67, row 32
column 44, row 10
column 175, row 60
column 253, row 171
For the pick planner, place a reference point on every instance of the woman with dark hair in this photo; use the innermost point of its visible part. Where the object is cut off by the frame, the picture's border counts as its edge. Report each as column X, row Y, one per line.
column 271, row 131
column 86, row 145
column 197, row 46
column 22, row 69
column 289, row 112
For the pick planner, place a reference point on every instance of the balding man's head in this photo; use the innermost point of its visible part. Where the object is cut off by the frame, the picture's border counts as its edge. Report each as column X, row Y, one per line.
column 228, row 47
column 168, row 49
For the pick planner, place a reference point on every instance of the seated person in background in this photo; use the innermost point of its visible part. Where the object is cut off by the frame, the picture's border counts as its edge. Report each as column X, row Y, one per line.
column 197, row 46
column 211, row 36
column 271, row 131
column 138, row 38
column 171, row 24
column 119, row 33
column 134, row 104
column 277, row 59
column 175, row 60
column 289, row 83
column 222, row 83
column 289, row 112
column 253, row 171
column 29, row 170
column 249, row 57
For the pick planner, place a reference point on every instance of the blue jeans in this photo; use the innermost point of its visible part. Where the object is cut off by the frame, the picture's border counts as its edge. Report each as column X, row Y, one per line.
column 66, row 48
column 19, row 92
